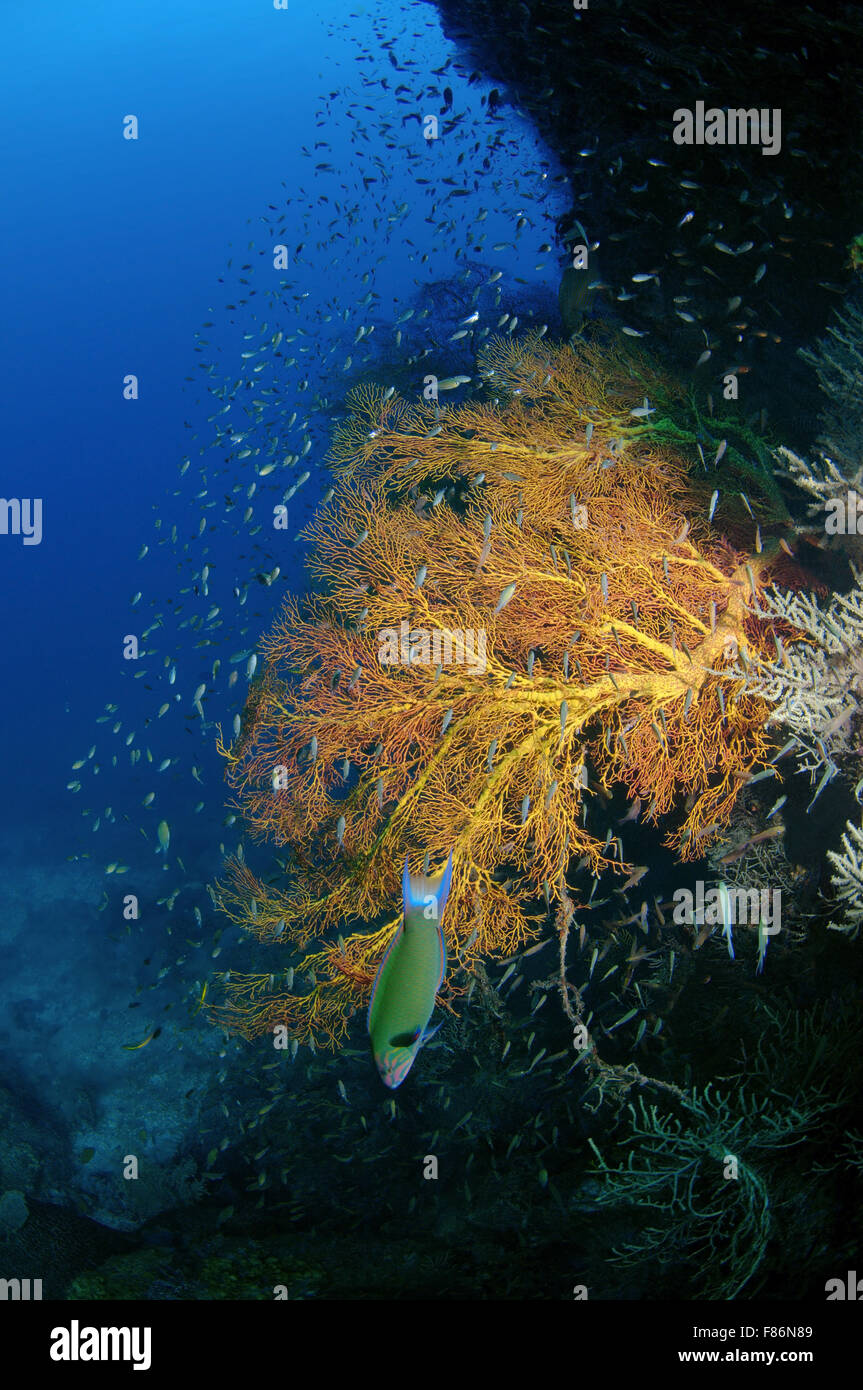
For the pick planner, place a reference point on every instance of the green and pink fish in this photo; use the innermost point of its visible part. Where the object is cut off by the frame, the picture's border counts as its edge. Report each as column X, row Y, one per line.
column 409, row 977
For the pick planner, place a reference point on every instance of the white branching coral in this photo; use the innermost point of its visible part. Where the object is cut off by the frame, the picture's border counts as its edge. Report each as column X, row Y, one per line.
column 838, row 362
column 837, row 468
column 824, row 480
column 815, row 685
column 848, row 879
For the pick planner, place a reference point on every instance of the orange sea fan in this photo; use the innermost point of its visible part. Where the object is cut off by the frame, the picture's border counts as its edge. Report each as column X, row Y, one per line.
column 469, row 659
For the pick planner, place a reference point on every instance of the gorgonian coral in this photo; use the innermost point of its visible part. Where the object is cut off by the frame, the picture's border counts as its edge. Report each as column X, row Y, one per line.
column 515, row 602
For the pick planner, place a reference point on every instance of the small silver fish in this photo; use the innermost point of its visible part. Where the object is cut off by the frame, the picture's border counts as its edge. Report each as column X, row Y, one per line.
column 449, row 383
column 505, row 597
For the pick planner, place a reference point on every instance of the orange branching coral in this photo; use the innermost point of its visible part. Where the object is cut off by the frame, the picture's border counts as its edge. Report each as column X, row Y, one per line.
column 467, row 665
column 565, row 414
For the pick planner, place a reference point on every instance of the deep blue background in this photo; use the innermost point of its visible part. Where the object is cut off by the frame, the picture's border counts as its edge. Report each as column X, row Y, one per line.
column 111, row 253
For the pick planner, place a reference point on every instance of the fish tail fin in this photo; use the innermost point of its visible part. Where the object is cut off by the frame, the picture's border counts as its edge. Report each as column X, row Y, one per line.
column 419, row 891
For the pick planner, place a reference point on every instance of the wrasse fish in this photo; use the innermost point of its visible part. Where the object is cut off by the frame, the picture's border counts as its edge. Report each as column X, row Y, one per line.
column 409, row 977
column 741, row 849
column 136, row 1047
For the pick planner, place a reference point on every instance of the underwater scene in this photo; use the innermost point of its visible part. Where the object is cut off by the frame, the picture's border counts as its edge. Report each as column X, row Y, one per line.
column 432, row 738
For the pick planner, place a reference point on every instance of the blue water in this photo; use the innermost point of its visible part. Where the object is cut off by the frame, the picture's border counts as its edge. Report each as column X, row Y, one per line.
column 116, row 252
